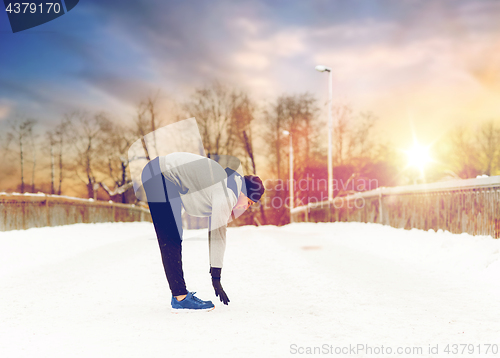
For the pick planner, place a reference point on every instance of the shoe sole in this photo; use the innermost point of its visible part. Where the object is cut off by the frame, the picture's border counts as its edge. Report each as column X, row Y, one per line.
column 187, row 310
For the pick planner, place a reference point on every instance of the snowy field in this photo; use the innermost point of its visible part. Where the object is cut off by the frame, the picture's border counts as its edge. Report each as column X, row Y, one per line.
column 336, row 289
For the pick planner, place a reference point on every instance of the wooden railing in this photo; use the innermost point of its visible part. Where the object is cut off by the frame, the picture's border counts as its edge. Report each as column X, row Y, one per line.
column 462, row 206
column 18, row 211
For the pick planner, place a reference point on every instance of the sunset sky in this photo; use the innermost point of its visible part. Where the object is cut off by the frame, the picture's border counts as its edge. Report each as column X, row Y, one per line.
column 426, row 64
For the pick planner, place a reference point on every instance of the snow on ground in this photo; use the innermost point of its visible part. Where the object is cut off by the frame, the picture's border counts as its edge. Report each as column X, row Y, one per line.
column 99, row 290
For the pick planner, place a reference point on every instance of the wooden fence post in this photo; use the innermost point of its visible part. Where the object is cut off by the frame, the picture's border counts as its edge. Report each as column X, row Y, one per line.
column 47, row 209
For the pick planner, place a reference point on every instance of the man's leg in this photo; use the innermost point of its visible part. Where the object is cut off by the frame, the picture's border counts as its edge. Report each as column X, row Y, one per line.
column 165, row 207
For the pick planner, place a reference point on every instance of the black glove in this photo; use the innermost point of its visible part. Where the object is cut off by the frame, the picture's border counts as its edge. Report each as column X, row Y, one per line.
column 219, row 291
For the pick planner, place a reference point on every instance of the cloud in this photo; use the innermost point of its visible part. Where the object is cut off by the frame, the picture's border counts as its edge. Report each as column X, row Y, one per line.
column 481, row 59
column 4, row 110
column 120, row 51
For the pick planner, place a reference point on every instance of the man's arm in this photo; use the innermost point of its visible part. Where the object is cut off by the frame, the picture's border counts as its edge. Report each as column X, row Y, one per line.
column 221, row 212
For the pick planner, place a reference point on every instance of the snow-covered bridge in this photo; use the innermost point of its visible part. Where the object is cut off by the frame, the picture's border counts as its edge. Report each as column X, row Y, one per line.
column 98, row 290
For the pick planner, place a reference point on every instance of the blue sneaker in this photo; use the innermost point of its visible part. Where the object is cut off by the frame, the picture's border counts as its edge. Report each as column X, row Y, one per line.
column 191, row 303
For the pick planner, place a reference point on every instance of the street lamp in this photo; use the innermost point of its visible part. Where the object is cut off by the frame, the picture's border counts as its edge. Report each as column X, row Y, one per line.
column 291, row 171
column 321, row 68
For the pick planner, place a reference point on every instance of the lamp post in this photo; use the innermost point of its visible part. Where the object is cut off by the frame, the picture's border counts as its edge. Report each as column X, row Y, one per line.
column 291, row 171
column 322, row 68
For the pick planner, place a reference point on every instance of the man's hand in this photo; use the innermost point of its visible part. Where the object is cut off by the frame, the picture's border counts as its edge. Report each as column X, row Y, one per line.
column 219, row 291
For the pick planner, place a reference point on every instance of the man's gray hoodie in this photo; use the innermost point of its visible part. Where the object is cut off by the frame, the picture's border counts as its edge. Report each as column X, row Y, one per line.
column 203, row 187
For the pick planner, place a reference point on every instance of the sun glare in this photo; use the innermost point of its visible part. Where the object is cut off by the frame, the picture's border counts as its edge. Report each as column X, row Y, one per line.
column 418, row 156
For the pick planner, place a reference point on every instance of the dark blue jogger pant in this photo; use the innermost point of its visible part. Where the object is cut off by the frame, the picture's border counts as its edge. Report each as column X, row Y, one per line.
column 165, row 207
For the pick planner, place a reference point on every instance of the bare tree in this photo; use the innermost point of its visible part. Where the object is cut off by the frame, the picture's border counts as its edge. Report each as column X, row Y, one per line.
column 100, row 149
column 222, row 114
column 51, row 142
column 88, row 135
column 356, row 147
column 488, row 143
column 115, row 159
column 305, row 126
column 18, row 135
column 240, row 130
column 225, row 115
column 461, row 153
column 361, row 143
column 61, row 136
column 57, row 148
column 341, row 132
column 249, row 149
column 33, row 146
column 147, row 120
column 297, row 114
column 468, row 153
column 276, row 121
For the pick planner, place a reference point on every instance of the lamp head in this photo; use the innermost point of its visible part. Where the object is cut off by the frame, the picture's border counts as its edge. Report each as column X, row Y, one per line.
column 322, row 68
